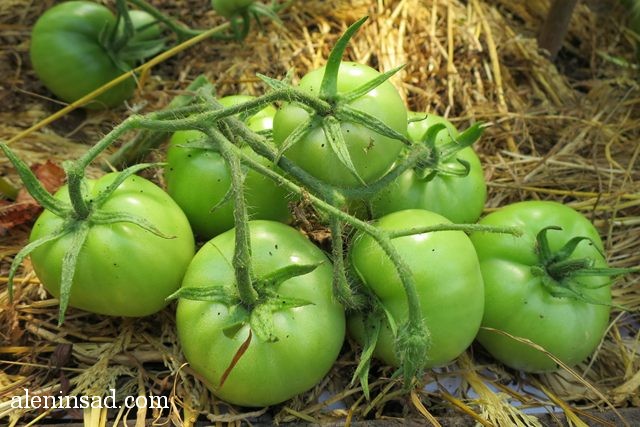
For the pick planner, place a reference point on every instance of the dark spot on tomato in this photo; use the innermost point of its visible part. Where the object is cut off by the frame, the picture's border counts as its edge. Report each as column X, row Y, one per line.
column 276, row 246
column 541, row 316
column 270, row 254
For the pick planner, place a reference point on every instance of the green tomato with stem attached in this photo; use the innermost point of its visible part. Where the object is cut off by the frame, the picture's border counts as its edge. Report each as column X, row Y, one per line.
column 122, row 268
column 69, row 56
column 372, row 154
column 210, row 210
column 448, row 191
column 447, row 277
column 534, row 289
column 225, row 342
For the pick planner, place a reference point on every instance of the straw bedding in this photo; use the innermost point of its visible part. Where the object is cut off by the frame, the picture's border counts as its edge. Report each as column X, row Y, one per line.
column 566, row 130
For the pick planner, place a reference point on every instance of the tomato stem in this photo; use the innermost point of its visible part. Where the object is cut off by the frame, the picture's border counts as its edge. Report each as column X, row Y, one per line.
column 145, row 141
column 341, row 288
column 183, row 32
column 75, row 179
column 242, row 250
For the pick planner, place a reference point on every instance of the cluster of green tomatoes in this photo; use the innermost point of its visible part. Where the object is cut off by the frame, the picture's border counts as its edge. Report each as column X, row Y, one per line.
column 262, row 311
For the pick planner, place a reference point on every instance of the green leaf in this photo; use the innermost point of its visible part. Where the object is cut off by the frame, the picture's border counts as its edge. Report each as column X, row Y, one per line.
column 297, row 135
column 219, row 294
column 346, row 113
column 273, row 83
column 372, row 326
column 276, row 278
column 368, row 86
column 26, row 251
column 460, row 168
column 329, row 85
column 34, row 187
column 464, row 140
column 544, row 251
column 69, row 262
column 228, row 196
column 333, row 134
column 102, row 217
column 569, row 247
column 122, row 176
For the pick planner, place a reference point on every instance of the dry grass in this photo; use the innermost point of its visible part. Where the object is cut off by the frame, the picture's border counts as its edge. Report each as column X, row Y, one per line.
column 567, row 131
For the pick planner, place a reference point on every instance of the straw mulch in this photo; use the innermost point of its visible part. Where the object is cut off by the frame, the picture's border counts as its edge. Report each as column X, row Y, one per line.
column 565, row 131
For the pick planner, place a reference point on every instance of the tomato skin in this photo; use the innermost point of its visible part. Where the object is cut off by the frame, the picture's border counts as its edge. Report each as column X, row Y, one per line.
column 122, row 269
column 518, row 303
column 447, row 278
column 206, row 170
column 68, row 58
column 372, row 154
column 309, row 337
column 460, row 199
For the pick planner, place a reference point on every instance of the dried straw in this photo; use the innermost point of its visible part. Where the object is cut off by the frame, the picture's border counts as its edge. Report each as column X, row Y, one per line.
column 567, row 131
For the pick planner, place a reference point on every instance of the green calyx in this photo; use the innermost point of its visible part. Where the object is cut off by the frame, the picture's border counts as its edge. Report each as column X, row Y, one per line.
column 560, row 272
column 79, row 216
column 335, row 107
column 442, row 160
column 259, row 315
column 127, row 42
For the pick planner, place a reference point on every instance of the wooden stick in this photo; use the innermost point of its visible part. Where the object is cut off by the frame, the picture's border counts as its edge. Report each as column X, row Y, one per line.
column 556, row 25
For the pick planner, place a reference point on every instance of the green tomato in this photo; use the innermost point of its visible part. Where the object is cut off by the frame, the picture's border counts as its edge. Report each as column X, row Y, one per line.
column 458, row 198
column 122, row 269
column 519, row 303
column 309, row 337
column 191, row 168
column 371, row 153
column 230, row 8
column 447, row 278
column 68, row 57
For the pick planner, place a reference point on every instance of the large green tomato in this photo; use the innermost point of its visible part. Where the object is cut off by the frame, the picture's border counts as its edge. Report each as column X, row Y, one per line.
column 459, row 198
column 517, row 299
column 447, row 277
column 371, row 153
column 68, row 57
column 191, row 168
column 122, row 269
column 309, row 337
